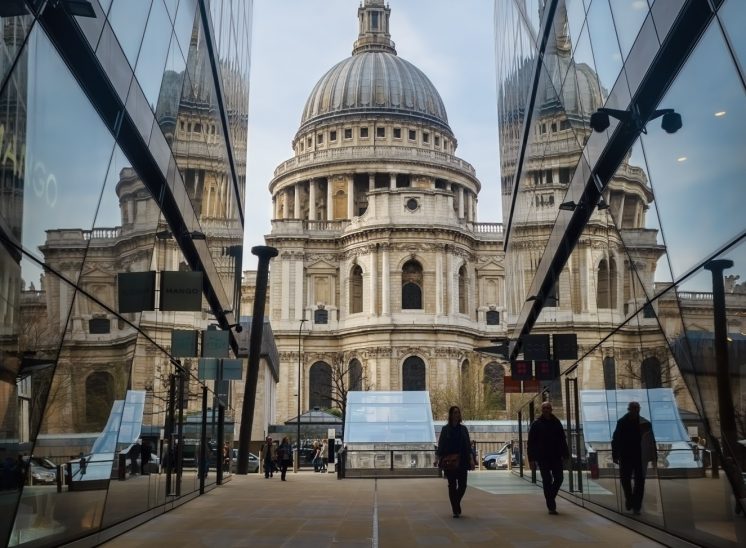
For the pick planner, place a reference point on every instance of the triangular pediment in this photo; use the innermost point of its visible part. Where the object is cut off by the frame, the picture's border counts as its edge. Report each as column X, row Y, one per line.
column 322, row 265
column 491, row 266
column 95, row 271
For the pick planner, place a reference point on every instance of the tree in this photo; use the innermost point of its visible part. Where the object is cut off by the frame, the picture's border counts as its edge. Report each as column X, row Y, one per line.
column 479, row 393
column 346, row 376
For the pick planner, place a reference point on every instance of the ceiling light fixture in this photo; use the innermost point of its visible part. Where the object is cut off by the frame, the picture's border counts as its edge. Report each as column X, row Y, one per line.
column 681, row 159
column 720, row 113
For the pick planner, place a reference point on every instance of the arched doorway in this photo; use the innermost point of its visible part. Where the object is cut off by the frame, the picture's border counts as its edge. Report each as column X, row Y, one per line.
column 413, row 374
column 320, row 386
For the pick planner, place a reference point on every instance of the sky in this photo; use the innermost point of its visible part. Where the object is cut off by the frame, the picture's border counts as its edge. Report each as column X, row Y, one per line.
column 294, row 42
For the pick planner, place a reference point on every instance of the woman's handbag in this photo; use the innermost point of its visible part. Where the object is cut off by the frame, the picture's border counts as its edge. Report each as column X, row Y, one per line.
column 450, row 463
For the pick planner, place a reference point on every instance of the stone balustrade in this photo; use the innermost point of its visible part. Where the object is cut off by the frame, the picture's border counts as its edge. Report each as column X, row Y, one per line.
column 378, row 152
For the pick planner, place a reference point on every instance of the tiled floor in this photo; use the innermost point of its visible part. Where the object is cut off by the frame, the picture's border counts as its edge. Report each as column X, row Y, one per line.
column 319, row 510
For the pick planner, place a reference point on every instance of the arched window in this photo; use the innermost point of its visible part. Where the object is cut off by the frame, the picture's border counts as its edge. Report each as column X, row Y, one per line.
column 99, row 397
column 609, row 373
column 650, row 373
column 602, row 285
column 462, row 290
column 413, row 374
column 320, row 386
column 411, row 288
column 494, row 385
column 355, row 373
column 356, row 289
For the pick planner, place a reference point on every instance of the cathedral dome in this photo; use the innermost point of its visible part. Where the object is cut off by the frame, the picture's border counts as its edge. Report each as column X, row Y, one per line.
column 375, row 82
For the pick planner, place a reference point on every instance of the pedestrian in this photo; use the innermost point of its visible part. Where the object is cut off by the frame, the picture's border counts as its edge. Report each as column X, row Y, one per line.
column 284, row 456
column 82, row 465
column 226, row 457
column 269, row 455
column 324, row 455
column 547, row 448
column 316, row 456
column 474, row 451
column 632, row 448
column 455, row 457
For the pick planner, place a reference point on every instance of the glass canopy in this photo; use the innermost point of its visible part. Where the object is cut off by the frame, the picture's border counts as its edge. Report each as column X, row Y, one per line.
column 389, row 417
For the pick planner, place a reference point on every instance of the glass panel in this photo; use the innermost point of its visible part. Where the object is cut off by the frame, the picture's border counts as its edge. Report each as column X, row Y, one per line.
column 604, row 43
column 128, row 18
column 731, row 12
column 150, row 63
column 628, row 18
column 13, row 31
column 699, row 168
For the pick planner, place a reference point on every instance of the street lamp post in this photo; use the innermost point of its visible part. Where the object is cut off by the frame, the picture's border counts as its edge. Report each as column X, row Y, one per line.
column 300, row 366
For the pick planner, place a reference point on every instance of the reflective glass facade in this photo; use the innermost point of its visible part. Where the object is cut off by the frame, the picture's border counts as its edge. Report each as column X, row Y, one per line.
column 123, row 150
column 615, row 231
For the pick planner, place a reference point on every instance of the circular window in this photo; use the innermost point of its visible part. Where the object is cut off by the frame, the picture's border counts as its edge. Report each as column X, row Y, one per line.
column 412, row 204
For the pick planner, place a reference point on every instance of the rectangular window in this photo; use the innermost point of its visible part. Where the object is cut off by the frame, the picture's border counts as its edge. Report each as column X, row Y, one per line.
column 412, row 135
column 564, row 124
column 363, row 132
column 425, row 137
column 99, row 326
column 437, row 141
column 380, row 132
column 348, row 133
column 397, row 133
column 564, row 175
column 374, row 20
column 554, row 127
column 198, row 127
column 309, row 141
column 333, row 135
column 548, row 176
column 320, row 138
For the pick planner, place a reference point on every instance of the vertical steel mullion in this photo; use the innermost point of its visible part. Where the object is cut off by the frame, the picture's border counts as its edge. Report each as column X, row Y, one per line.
column 568, row 416
column 170, row 420
column 180, row 434
column 531, row 415
column 221, row 443
column 204, row 465
column 520, row 444
column 577, row 433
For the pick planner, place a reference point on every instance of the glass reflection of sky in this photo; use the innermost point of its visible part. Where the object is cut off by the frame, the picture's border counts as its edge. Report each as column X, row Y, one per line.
column 379, row 417
column 700, row 200
column 64, row 174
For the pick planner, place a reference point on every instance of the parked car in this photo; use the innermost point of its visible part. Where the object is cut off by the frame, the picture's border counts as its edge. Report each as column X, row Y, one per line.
column 497, row 460
column 41, row 471
column 253, row 462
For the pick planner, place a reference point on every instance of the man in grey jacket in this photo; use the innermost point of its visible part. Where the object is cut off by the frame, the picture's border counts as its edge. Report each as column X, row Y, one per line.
column 632, row 448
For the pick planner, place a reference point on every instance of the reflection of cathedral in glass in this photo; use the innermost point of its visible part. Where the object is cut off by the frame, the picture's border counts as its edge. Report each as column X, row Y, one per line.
column 145, row 173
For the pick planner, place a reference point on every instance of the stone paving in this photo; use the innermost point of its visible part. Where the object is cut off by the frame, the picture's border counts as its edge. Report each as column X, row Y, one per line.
column 316, row 510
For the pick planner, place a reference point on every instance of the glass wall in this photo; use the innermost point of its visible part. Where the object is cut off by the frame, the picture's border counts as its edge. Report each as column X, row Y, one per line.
column 638, row 251
column 99, row 421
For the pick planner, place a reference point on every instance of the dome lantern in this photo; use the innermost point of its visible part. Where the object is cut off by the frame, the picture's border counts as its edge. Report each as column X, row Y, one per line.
column 374, row 32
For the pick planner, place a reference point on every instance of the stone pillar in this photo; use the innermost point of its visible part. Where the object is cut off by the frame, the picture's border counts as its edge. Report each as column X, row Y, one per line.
column 299, row 286
column 274, row 207
column 449, row 283
column 351, row 197
column 329, row 201
column 385, row 283
column 285, row 304
column 439, row 282
column 371, row 181
column 620, row 211
column 392, row 181
column 373, row 281
column 460, row 202
column 296, row 201
column 312, row 200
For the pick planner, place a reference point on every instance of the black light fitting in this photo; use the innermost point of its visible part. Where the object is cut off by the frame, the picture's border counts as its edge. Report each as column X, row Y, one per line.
column 671, row 122
column 568, row 206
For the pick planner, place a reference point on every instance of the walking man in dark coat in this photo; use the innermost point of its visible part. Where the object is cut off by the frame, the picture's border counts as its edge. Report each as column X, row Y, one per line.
column 632, row 448
column 547, row 446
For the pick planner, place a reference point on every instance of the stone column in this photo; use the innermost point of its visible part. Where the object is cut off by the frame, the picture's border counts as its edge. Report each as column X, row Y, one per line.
column 449, row 282
column 392, row 181
column 460, row 202
column 329, row 201
column 371, row 181
column 299, row 292
column 439, row 281
column 385, row 283
column 296, row 202
column 312, row 200
column 373, row 281
column 285, row 304
column 351, row 197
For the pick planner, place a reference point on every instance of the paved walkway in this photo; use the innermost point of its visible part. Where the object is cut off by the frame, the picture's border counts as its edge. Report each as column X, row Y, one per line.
column 318, row 510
